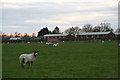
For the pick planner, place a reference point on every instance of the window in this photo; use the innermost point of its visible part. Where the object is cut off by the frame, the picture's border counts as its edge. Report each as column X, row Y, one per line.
column 92, row 36
column 97, row 36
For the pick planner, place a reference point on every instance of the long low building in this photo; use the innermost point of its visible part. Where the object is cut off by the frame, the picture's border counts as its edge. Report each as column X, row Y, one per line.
column 54, row 36
column 15, row 38
column 117, row 35
column 96, row 35
column 83, row 35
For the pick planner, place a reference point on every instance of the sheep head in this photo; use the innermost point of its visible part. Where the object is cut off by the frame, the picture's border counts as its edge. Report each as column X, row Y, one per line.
column 35, row 53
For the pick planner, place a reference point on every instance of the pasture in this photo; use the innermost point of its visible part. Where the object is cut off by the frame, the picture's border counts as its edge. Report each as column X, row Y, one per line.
column 68, row 60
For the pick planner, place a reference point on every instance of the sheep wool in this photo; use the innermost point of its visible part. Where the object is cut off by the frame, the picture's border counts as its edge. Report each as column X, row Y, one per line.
column 28, row 58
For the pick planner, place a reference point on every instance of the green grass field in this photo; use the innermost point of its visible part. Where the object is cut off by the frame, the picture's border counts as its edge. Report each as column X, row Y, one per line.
column 68, row 60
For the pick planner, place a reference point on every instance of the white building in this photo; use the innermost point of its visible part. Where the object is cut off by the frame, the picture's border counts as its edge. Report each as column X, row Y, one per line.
column 15, row 38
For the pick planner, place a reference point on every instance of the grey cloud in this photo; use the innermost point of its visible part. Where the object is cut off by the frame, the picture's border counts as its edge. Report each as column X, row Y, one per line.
column 48, row 10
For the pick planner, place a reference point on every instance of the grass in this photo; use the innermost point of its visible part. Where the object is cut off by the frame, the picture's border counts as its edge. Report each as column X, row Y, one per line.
column 69, row 60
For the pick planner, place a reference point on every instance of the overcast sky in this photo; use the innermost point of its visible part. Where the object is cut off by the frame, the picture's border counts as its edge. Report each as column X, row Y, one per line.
column 29, row 16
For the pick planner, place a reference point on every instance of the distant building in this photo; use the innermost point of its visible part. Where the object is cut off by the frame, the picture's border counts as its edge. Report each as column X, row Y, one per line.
column 15, row 38
column 82, row 35
column 117, row 34
column 54, row 36
column 96, row 35
column 53, row 40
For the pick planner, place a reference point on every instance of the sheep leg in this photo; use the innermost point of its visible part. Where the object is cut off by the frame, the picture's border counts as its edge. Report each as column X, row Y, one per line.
column 23, row 65
column 29, row 63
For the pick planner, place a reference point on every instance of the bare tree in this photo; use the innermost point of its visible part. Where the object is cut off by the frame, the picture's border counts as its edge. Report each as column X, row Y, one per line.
column 17, row 34
column 105, row 26
column 87, row 28
column 33, row 34
column 97, row 28
column 73, row 31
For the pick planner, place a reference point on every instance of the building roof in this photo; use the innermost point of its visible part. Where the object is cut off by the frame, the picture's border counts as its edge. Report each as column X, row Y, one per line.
column 89, row 33
column 48, row 35
column 94, row 33
column 15, row 38
column 117, row 33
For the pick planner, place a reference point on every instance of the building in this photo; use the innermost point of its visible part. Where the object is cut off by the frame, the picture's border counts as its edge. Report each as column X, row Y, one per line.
column 54, row 36
column 117, row 35
column 89, row 35
column 15, row 38
column 96, row 35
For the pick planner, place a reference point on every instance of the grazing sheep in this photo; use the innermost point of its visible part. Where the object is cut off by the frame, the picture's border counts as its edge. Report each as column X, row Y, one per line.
column 55, row 44
column 119, row 45
column 48, row 43
column 28, row 58
column 102, row 41
column 109, row 40
column 28, row 42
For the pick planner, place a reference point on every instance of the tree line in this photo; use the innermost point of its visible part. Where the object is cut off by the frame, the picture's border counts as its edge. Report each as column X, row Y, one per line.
column 46, row 31
column 74, row 30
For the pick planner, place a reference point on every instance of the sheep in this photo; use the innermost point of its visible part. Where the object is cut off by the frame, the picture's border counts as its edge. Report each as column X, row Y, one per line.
column 109, row 40
column 28, row 42
column 102, row 41
column 119, row 45
column 28, row 58
column 55, row 44
column 48, row 43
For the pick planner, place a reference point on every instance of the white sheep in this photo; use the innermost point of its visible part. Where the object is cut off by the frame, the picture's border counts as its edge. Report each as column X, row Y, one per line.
column 119, row 45
column 103, row 41
column 49, row 43
column 28, row 58
column 55, row 44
